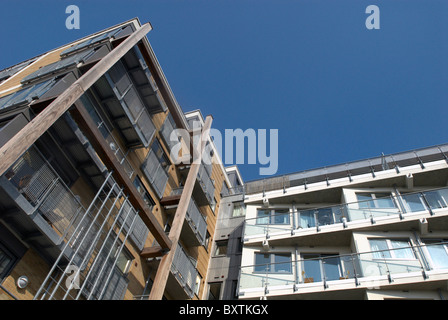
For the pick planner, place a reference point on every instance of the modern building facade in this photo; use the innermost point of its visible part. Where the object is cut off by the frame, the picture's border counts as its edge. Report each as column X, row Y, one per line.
column 94, row 202
column 370, row 229
column 100, row 197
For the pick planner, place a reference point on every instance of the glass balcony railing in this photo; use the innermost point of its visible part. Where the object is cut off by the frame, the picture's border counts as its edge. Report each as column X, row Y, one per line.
column 271, row 221
column 326, row 270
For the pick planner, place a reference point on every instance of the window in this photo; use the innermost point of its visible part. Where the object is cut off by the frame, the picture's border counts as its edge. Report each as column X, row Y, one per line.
column 221, row 247
column 239, row 209
column 438, row 253
column 124, row 259
column 391, row 249
column 144, row 193
column 160, row 154
column 213, row 205
column 197, row 284
column 272, row 216
column 317, row 266
column 207, row 240
column 307, row 218
column 273, row 263
column 437, row 198
column 214, row 290
column 375, row 200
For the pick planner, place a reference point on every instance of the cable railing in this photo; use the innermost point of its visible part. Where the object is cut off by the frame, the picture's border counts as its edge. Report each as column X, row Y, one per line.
column 368, row 268
column 270, row 221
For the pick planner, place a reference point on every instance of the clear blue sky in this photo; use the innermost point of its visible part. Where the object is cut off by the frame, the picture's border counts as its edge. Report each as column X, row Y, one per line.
column 336, row 91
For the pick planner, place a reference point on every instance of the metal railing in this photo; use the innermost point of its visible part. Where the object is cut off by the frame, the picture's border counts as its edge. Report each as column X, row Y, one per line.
column 345, row 170
column 93, row 250
column 367, row 267
column 116, row 150
column 42, row 187
column 396, row 205
column 90, row 239
column 184, row 270
column 197, row 221
column 206, row 183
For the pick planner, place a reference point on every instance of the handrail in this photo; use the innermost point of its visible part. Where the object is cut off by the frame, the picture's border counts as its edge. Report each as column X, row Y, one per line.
column 353, row 266
column 413, row 246
column 364, row 201
column 368, row 165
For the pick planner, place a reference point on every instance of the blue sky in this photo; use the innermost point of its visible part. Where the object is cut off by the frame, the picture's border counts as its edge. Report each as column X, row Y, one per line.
column 336, row 91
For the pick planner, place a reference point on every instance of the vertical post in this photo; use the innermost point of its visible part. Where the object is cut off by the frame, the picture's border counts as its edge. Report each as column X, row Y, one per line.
column 164, row 268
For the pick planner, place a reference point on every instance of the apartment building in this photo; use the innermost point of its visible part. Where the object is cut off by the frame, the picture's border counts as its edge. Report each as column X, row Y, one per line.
column 94, row 201
column 369, row 229
column 100, row 200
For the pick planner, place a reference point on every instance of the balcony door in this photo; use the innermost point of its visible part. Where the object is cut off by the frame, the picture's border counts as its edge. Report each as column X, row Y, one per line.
column 317, row 267
column 437, row 253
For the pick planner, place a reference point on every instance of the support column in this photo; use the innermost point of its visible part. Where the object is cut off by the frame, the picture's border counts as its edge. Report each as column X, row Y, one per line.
column 164, row 268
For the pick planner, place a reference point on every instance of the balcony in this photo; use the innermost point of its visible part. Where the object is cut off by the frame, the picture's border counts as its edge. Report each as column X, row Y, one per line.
column 206, row 184
column 184, row 271
column 316, row 273
column 181, row 283
column 285, row 222
column 46, row 213
column 194, row 230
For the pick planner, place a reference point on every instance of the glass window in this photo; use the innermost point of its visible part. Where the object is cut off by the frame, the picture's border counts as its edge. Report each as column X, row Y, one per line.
column 391, row 249
column 311, row 268
column 375, row 200
column 214, row 291
column 197, row 284
column 325, row 216
column 402, row 249
column 272, row 216
column 380, row 247
column 413, row 202
column 316, row 266
column 221, row 247
column 158, row 151
column 307, row 219
column 280, row 216
column 239, row 210
column 437, row 199
column 143, row 192
column 262, row 262
column 282, row 263
column 273, row 262
column 263, row 216
column 124, row 259
column 438, row 253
